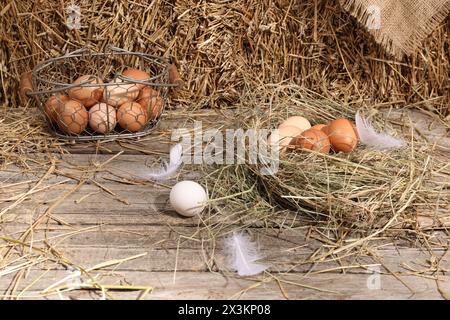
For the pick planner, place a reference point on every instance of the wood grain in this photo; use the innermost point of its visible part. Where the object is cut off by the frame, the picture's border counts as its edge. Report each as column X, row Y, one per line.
column 117, row 213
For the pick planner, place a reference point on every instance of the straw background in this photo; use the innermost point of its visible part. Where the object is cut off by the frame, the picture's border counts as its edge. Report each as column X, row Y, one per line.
column 226, row 47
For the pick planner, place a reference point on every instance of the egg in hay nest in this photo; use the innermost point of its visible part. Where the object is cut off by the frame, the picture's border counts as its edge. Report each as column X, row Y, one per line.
column 52, row 104
column 312, row 139
column 320, row 126
column 102, row 118
column 342, row 135
column 88, row 94
column 132, row 116
column 72, row 117
column 151, row 101
column 296, row 121
column 283, row 136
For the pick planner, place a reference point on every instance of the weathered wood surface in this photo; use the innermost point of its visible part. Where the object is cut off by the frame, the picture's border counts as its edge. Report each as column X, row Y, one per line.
column 118, row 214
column 207, row 285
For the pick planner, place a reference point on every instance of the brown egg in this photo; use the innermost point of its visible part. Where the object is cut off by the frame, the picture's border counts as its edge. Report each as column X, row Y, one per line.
column 296, row 121
column 151, row 101
column 312, row 139
column 342, row 135
column 117, row 93
column 88, row 96
column 52, row 104
column 102, row 118
column 147, row 92
column 132, row 116
column 318, row 126
column 136, row 74
column 73, row 117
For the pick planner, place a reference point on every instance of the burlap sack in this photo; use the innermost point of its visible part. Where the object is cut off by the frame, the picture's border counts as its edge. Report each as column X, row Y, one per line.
column 399, row 25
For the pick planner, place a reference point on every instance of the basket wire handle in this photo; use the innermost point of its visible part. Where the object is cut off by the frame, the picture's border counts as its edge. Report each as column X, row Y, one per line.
column 78, row 51
column 112, row 48
column 175, row 78
column 26, row 86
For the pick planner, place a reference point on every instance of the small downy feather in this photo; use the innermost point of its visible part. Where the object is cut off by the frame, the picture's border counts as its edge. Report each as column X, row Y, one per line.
column 373, row 139
column 242, row 254
column 175, row 161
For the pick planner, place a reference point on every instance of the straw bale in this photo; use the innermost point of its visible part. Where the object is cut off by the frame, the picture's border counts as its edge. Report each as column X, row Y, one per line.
column 224, row 48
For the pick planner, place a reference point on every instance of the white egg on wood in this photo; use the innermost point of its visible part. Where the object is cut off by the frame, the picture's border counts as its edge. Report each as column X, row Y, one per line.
column 188, row 198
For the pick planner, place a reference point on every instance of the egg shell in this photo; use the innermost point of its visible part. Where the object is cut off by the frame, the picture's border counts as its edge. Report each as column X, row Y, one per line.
column 151, row 101
column 136, row 74
column 118, row 92
column 132, row 116
column 88, row 96
column 296, row 121
column 72, row 117
column 342, row 135
column 102, row 118
column 319, row 126
column 52, row 104
column 188, row 198
column 283, row 136
column 312, row 139
column 147, row 92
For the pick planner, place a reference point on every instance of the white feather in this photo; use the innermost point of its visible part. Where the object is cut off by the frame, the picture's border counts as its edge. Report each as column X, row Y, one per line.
column 176, row 153
column 373, row 139
column 242, row 254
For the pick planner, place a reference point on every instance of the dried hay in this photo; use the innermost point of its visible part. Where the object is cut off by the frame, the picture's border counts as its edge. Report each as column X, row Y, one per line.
column 360, row 195
column 32, row 164
column 225, row 48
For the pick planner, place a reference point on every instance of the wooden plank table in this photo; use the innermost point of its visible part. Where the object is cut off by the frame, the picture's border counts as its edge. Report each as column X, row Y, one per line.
column 96, row 210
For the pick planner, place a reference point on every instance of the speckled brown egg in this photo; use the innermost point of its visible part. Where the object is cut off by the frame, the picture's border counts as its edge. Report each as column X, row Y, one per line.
column 132, row 116
column 73, row 117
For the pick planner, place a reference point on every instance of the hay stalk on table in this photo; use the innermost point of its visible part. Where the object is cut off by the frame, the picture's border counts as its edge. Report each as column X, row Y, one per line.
column 28, row 148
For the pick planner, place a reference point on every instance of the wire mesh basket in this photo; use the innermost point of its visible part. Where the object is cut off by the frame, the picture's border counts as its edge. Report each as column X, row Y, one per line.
column 86, row 95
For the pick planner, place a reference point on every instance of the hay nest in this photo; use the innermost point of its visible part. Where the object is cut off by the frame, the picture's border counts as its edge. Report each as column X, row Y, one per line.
column 223, row 48
column 362, row 191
